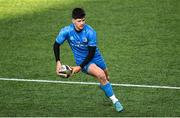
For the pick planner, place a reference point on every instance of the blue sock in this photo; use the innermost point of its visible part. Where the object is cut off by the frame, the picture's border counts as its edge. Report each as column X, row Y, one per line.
column 107, row 89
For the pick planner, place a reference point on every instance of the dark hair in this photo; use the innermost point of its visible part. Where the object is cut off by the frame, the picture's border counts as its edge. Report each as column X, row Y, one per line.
column 78, row 13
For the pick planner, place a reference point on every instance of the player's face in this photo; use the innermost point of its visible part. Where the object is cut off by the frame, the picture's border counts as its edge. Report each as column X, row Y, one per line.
column 79, row 23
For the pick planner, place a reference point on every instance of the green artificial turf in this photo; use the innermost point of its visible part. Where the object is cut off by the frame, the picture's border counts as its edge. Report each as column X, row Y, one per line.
column 139, row 40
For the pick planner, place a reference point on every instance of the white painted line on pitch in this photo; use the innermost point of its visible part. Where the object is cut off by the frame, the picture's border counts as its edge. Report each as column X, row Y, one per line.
column 86, row 83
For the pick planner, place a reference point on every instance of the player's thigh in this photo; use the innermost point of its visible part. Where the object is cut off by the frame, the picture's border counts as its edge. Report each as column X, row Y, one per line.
column 96, row 71
column 106, row 71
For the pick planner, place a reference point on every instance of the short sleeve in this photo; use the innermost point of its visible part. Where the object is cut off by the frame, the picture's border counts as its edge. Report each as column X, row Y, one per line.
column 92, row 38
column 62, row 36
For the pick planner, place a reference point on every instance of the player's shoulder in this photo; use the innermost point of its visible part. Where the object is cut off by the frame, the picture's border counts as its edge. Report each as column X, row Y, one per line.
column 68, row 28
column 89, row 29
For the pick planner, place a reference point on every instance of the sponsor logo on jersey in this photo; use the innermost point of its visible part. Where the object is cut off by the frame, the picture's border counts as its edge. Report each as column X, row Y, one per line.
column 85, row 40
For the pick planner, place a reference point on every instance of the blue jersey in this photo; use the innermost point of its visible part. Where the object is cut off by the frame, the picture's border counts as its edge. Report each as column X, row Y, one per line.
column 79, row 41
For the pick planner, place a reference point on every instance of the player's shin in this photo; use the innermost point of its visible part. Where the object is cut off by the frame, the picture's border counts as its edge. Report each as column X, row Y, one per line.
column 107, row 88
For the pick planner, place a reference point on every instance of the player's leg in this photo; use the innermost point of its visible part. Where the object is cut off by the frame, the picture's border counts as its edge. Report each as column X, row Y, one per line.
column 117, row 104
column 106, row 73
column 100, row 75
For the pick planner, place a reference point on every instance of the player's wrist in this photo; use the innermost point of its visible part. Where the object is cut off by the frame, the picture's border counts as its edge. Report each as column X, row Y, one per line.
column 79, row 67
column 58, row 62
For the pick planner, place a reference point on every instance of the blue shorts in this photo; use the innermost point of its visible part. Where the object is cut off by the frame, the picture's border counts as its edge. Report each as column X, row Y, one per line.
column 98, row 61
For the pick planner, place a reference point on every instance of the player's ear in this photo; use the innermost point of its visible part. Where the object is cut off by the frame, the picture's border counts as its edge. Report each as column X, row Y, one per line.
column 73, row 20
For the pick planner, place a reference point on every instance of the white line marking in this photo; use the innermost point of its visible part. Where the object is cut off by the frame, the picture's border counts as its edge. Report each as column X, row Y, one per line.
column 87, row 83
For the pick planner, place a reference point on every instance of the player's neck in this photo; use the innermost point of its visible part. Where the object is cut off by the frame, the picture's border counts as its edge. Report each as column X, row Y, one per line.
column 77, row 30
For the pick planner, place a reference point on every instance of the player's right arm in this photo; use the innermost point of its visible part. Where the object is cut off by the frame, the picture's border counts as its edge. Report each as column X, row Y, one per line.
column 62, row 36
column 56, row 49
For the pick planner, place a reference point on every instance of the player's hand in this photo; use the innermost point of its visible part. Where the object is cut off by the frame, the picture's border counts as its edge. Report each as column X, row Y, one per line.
column 58, row 67
column 76, row 69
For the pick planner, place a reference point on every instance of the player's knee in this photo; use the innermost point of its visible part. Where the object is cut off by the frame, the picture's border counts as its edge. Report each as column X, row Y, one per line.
column 102, row 76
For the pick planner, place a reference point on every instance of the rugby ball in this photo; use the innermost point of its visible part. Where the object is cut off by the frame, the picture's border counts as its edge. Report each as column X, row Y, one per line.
column 66, row 71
